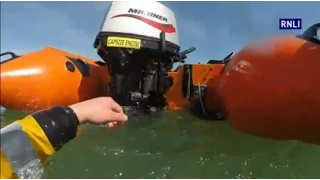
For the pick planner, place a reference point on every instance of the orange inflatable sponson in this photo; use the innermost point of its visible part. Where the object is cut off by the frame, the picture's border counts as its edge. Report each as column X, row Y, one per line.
column 49, row 77
column 271, row 89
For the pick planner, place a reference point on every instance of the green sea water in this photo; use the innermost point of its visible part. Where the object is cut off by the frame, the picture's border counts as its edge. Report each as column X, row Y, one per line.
column 177, row 145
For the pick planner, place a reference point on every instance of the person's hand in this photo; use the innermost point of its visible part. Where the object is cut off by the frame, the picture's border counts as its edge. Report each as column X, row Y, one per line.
column 101, row 110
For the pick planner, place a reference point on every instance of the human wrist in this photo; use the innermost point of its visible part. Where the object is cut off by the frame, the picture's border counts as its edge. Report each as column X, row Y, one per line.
column 81, row 118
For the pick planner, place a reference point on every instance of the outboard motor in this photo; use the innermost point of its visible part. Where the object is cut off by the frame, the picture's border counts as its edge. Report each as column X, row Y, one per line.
column 139, row 43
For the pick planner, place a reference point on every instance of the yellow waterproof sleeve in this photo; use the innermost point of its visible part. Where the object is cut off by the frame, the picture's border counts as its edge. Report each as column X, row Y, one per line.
column 27, row 142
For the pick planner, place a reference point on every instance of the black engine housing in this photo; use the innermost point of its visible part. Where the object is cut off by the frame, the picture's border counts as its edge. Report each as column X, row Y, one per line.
column 139, row 77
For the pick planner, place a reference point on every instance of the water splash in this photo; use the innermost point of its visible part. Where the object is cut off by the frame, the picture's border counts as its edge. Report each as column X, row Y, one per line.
column 33, row 170
column 2, row 110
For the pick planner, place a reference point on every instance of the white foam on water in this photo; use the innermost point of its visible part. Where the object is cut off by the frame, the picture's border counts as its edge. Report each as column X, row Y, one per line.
column 33, row 170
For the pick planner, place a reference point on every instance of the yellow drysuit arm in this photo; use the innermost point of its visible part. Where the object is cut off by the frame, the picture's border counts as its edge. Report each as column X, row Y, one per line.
column 25, row 143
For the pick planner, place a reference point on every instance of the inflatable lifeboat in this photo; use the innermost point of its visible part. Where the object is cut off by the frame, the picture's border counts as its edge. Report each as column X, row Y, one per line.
column 268, row 89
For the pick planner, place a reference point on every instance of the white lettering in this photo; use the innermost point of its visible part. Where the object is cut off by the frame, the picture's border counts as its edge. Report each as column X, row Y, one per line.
column 298, row 24
column 289, row 23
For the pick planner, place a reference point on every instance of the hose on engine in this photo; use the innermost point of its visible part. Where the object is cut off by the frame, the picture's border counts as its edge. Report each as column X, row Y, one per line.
column 201, row 102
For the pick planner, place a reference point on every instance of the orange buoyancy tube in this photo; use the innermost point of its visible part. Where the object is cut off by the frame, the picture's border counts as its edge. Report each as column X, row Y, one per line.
column 271, row 89
column 50, row 77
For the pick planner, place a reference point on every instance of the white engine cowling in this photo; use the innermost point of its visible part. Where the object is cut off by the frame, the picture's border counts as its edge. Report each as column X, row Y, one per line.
column 141, row 20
